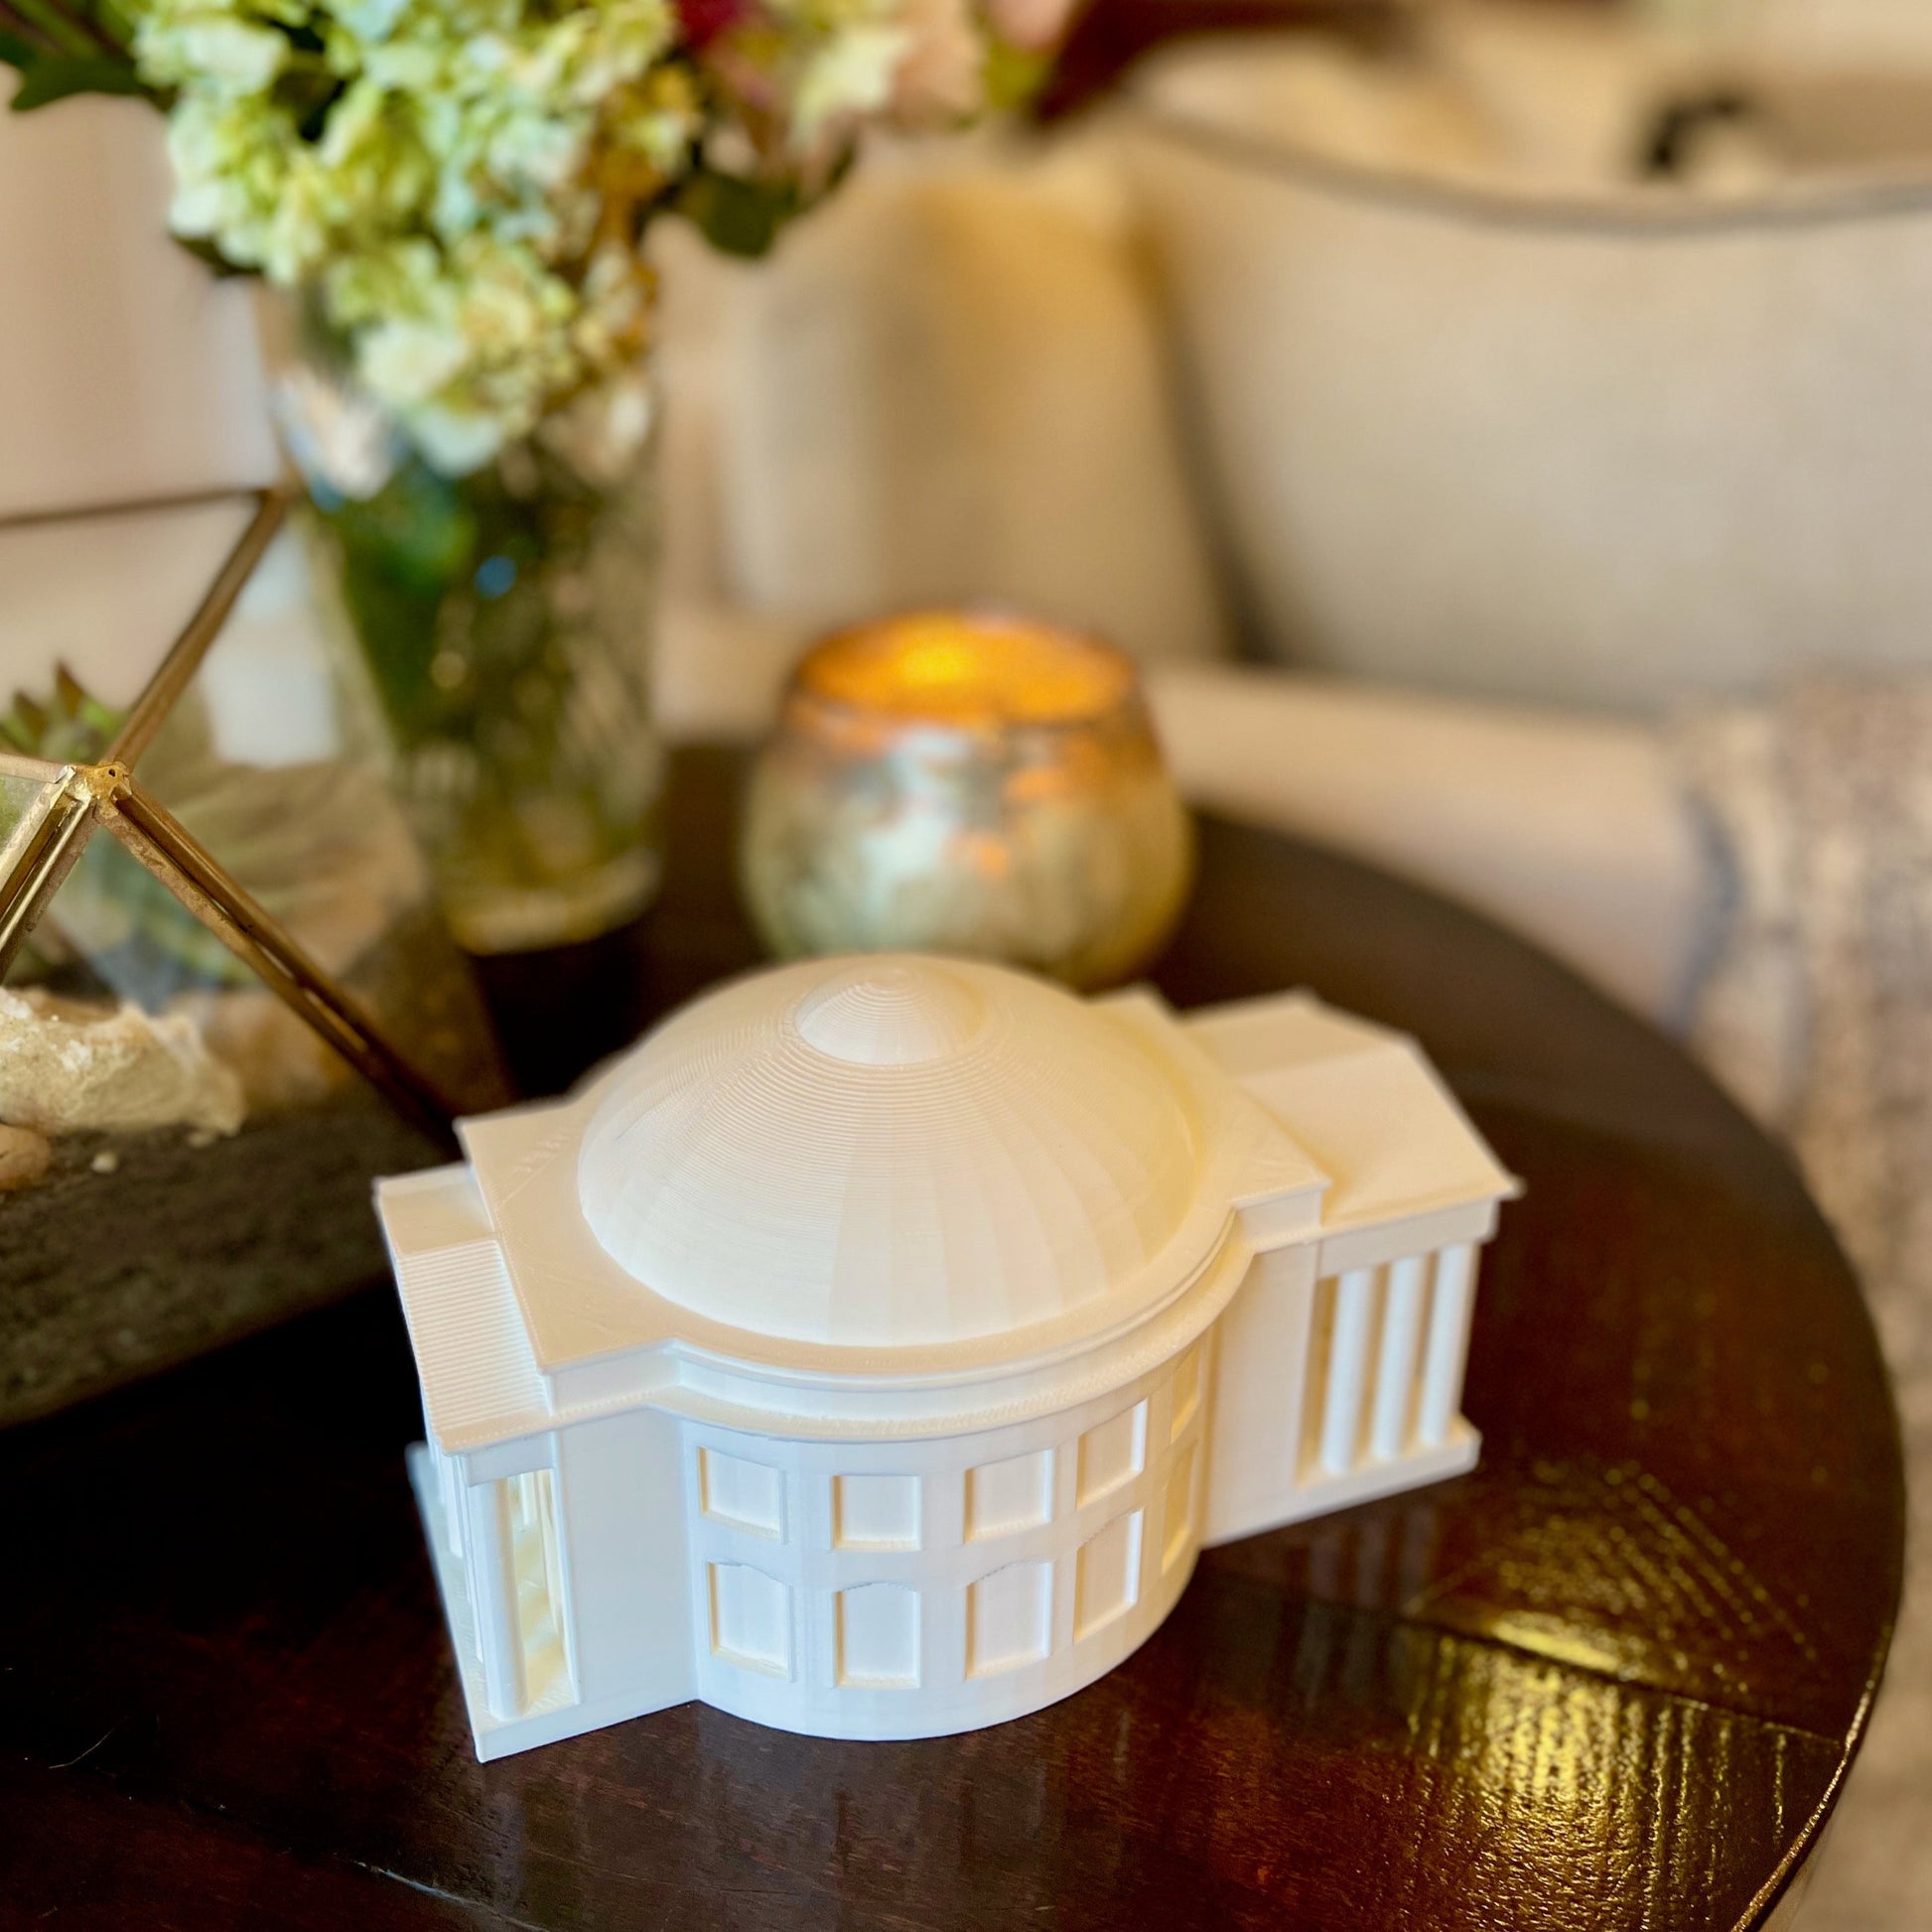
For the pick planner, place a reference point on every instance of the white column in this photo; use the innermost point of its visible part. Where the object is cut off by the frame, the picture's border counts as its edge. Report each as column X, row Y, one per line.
column 1394, row 1373
column 1341, row 1409
column 1448, row 1342
column 493, row 1599
column 451, row 1490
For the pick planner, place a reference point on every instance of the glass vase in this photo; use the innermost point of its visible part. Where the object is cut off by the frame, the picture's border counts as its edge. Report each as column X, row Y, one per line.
column 505, row 619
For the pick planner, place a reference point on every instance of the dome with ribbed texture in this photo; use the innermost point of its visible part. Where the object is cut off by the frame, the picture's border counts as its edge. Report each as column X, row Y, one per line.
column 888, row 1152
column 889, row 1014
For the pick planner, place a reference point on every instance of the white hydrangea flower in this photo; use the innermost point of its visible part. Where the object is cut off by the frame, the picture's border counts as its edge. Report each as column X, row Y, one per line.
column 369, row 21
column 851, row 75
column 459, row 187
column 407, row 361
column 211, row 48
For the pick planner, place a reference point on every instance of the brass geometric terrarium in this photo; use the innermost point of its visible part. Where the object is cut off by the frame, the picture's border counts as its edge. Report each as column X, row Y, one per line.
column 49, row 812
column 226, row 999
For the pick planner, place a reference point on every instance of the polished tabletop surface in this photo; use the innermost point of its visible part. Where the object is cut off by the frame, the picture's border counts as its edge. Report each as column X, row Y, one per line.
column 1611, row 1679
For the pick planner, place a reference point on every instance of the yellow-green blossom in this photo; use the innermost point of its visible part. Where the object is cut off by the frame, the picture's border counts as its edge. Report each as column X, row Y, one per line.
column 458, row 187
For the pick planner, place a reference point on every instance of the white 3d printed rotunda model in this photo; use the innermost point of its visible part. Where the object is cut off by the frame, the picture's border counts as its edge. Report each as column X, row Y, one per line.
column 871, row 1351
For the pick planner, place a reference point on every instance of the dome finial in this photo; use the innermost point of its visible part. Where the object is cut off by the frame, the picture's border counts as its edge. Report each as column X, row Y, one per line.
column 890, row 1011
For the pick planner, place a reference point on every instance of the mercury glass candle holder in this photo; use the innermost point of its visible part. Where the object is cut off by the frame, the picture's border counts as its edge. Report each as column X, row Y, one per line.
column 967, row 782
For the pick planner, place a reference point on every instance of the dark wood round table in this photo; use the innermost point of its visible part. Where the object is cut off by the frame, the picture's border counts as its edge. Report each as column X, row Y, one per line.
column 1614, row 1677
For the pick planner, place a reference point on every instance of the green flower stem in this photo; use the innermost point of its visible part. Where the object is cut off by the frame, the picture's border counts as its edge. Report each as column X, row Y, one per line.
column 62, row 28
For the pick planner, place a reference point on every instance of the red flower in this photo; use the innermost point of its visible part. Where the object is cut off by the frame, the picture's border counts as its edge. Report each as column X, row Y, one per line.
column 704, row 19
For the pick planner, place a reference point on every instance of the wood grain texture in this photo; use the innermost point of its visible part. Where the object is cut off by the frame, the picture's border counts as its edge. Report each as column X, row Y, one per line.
column 1610, row 1680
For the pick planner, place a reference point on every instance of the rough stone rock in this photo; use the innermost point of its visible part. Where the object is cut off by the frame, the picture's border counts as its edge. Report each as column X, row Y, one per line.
column 66, row 1068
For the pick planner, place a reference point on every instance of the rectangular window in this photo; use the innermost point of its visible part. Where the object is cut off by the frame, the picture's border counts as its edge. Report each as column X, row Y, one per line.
column 536, row 1565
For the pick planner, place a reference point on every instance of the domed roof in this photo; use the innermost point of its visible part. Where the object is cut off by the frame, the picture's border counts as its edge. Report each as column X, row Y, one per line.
column 888, row 1150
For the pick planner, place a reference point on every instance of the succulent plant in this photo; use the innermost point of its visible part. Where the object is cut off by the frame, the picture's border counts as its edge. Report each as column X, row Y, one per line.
column 112, row 913
column 71, row 727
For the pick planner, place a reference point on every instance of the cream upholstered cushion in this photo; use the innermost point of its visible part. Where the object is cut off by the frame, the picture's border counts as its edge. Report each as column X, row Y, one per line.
column 1568, row 827
column 1486, row 414
column 947, row 385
